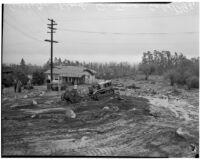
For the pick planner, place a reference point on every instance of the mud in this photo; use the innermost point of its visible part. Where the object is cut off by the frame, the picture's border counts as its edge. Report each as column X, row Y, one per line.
column 140, row 125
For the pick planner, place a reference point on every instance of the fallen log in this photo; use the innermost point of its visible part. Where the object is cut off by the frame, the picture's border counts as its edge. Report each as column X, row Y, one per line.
column 46, row 111
column 22, row 105
column 69, row 113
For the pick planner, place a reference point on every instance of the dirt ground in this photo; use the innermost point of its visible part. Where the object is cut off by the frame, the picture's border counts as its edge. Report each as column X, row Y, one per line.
column 143, row 123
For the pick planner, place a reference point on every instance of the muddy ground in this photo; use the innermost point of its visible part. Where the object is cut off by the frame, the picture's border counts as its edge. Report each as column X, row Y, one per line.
column 143, row 123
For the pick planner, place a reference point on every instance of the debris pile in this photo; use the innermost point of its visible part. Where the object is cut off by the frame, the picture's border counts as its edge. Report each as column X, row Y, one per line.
column 71, row 96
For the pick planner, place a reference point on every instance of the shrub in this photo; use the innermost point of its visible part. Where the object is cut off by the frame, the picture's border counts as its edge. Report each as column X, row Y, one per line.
column 22, row 77
column 192, row 82
column 7, row 80
column 38, row 78
column 172, row 75
column 132, row 86
column 147, row 69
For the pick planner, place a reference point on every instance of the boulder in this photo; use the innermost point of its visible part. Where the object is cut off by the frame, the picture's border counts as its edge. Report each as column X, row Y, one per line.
column 184, row 133
column 70, row 113
column 34, row 102
column 41, row 93
column 115, row 108
column 106, row 108
column 26, row 96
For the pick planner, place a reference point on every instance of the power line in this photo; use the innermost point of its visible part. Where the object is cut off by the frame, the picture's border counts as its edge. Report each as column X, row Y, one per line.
column 22, row 32
column 121, row 33
column 42, row 19
column 17, row 21
column 125, row 18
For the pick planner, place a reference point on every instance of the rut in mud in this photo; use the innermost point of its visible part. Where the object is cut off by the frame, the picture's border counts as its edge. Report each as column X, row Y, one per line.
column 133, row 126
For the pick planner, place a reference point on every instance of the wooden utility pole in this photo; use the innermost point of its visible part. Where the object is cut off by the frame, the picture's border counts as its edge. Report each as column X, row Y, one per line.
column 52, row 30
column 2, row 30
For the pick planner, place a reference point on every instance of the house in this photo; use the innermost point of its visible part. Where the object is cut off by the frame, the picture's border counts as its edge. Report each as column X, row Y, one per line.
column 72, row 75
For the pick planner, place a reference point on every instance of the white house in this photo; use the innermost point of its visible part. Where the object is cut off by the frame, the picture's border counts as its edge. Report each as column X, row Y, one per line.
column 72, row 75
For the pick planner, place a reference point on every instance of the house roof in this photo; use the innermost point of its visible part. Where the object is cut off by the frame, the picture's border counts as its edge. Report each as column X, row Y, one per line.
column 71, row 71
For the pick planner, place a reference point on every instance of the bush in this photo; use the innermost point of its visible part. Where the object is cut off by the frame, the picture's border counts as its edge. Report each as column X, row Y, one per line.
column 22, row 77
column 133, row 86
column 7, row 80
column 38, row 78
column 192, row 82
column 172, row 75
column 147, row 69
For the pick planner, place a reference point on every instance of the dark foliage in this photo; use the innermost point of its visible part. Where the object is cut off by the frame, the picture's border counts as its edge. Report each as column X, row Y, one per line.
column 22, row 77
column 147, row 69
column 38, row 78
column 192, row 82
column 7, row 80
column 177, row 68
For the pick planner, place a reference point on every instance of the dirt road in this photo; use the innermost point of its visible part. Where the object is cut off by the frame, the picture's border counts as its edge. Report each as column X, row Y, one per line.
column 145, row 126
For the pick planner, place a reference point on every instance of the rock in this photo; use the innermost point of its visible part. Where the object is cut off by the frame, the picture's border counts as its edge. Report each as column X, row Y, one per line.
column 26, row 96
column 33, row 116
column 60, row 120
column 70, row 114
column 41, row 93
column 184, row 133
column 34, row 102
column 133, row 109
column 194, row 148
column 162, row 97
column 4, row 99
column 29, row 124
column 154, row 114
column 106, row 108
column 115, row 108
column 83, row 104
column 84, row 138
column 120, row 98
column 153, row 92
column 177, row 99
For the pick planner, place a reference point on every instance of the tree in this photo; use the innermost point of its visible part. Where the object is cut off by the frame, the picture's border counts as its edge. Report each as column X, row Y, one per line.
column 192, row 82
column 22, row 77
column 172, row 75
column 59, row 61
column 38, row 77
column 46, row 66
column 23, row 66
column 147, row 69
column 22, row 63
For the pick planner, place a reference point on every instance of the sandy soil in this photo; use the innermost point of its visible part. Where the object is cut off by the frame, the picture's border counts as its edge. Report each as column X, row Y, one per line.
column 142, row 124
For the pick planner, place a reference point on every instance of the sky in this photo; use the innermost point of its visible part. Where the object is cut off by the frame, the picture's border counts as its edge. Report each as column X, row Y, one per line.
column 99, row 32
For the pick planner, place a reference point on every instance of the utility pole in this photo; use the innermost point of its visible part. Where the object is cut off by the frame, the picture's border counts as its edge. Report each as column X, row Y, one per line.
column 52, row 30
column 2, row 29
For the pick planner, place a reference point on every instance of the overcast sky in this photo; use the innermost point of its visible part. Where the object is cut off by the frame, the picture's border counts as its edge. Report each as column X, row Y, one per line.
column 99, row 32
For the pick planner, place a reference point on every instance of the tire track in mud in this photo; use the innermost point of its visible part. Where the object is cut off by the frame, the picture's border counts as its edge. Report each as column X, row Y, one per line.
column 106, row 151
column 132, row 134
column 121, row 141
